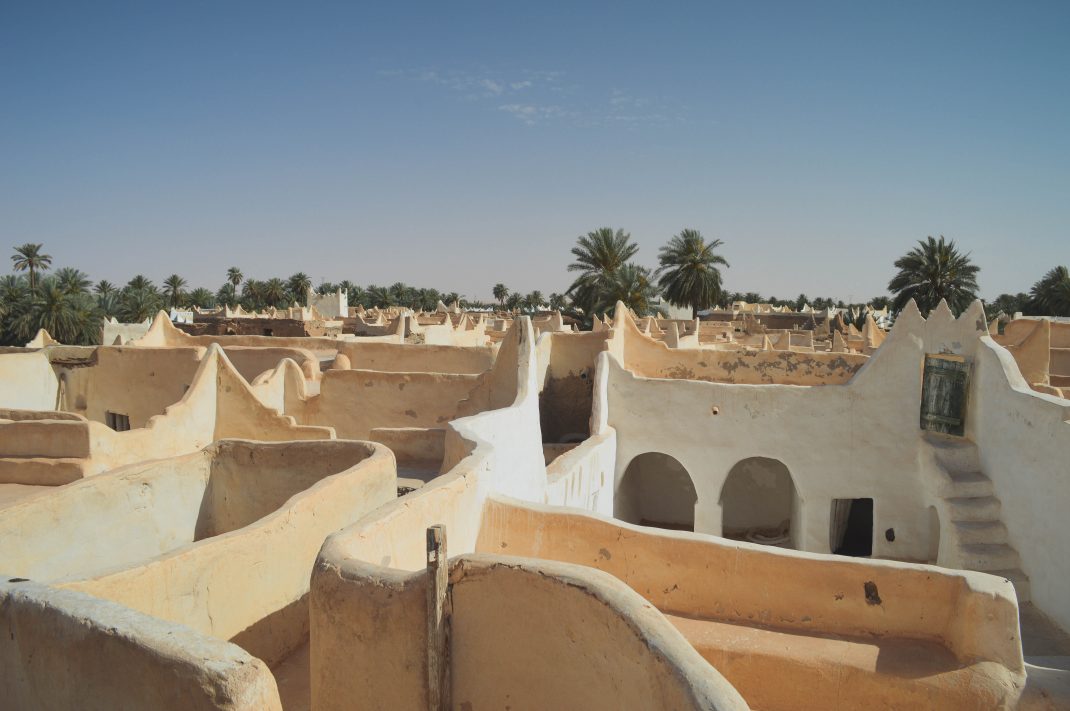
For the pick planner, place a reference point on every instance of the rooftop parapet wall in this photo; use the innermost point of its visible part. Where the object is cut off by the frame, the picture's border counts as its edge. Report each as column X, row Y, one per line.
column 137, row 382
column 1024, row 447
column 854, row 633
column 64, row 650
column 652, row 359
column 356, row 401
column 27, row 381
column 494, row 450
column 222, row 540
column 617, row 653
column 973, row 614
column 218, row 404
column 164, row 333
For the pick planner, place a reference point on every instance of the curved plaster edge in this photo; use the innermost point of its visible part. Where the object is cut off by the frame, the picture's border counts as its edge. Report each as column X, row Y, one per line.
column 705, row 686
column 177, row 664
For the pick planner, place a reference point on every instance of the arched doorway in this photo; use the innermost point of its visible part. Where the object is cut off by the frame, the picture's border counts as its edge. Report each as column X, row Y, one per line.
column 757, row 501
column 656, row 490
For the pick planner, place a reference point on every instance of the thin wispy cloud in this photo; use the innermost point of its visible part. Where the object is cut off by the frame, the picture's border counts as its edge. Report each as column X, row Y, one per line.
column 532, row 113
column 535, row 97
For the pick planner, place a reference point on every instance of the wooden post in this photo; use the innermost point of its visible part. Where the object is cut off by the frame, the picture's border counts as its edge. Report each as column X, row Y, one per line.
column 438, row 678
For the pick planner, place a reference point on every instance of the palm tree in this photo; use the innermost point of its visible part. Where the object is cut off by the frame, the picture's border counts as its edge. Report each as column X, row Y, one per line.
column 104, row 288
column 234, row 276
column 1052, row 293
column 227, row 294
column 299, row 284
column 451, row 298
column 202, row 297
column 688, row 273
column 28, row 258
column 137, row 305
column 72, row 281
column 533, row 301
column 380, row 296
column 141, row 283
column 514, row 301
column 501, row 293
column 932, row 271
column 253, row 294
column 274, row 292
column 558, row 302
column 172, row 289
column 598, row 254
column 70, row 318
column 401, row 293
column 631, row 284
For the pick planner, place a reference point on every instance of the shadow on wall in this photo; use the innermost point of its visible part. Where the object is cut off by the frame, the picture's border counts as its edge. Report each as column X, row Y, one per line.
column 656, row 490
column 757, row 501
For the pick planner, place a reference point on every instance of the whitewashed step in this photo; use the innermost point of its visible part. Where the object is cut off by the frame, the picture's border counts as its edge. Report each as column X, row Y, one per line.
column 1020, row 581
column 988, row 556
column 974, row 508
column 969, row 532
column 969, row 484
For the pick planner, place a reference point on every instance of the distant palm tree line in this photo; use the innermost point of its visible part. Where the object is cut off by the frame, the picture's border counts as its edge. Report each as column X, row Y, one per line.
column 69, row 306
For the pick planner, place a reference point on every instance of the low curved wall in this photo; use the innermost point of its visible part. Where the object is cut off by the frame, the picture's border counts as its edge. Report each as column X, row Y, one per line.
column 973, row 614
column 535, row 634
column 230, row 546
column 62, row 650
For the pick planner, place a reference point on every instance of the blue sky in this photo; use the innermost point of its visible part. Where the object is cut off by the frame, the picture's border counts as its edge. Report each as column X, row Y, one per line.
column 460, row 144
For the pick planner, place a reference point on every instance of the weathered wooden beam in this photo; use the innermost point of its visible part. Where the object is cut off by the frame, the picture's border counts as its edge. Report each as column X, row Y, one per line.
column 438, row 677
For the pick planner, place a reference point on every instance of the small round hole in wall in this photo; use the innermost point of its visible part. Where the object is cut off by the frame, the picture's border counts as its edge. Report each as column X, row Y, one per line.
column 715, row 410
column 889, row 535
column 583, row 375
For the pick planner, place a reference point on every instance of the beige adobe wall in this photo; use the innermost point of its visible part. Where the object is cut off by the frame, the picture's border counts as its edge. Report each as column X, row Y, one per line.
column 652, row 359
column 137, row 382
column 1029, row 341
column 587, row 641
column 1060, row 334
column 252, row 362
column 740, row 604
column 975, row 615
column 1024, row 440
column 354, row 656
column 63, row 650
column 414, row 447
column 249, row 584
column 566, row 364
column 164, row 333
column 25, row 437
column 219, row 404
column 416, row 358
column 356, row 401
column 27, row 381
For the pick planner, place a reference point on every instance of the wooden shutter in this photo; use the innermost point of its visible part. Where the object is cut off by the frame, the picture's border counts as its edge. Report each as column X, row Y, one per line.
column 943, row 394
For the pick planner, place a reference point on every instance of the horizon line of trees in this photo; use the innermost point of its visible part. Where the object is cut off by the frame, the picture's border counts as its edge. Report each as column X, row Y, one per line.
column 71, row 307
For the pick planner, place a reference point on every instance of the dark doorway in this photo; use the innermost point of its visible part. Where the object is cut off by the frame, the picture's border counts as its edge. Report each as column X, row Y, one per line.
column 852, row 527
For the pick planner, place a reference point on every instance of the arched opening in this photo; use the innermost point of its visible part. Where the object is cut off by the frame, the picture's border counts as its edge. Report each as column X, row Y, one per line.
column 757, row 501
column 656, row 490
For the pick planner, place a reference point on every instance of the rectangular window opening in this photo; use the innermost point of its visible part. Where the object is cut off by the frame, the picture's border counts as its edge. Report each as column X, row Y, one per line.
column 117, row 421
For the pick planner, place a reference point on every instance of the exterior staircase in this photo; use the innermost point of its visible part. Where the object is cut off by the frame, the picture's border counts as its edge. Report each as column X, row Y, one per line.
column 975, row 536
